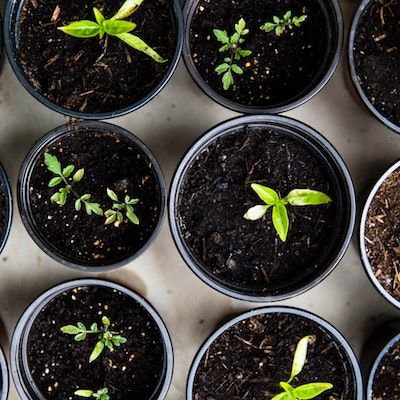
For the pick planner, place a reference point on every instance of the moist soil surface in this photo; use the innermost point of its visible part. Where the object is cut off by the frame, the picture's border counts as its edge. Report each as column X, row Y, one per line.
column 216, row 193
column 92, row 75
column 249, row 360
column 280, row 68
column 377, row 56
column 387, row 378
column 59, row 365
column 382, row 234
column 110, row 161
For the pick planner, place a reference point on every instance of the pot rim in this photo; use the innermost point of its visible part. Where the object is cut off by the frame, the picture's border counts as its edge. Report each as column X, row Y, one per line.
column 21, row 331
column 23, row 193
column 4, row 377
column 217, row 131
column 358, row 382
column 8, row 200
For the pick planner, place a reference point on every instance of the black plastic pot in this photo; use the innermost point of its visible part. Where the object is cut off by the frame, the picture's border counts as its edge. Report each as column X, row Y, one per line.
column 361, row 235
column 3, row 377
column 336, row 335
column 8, row 202
column 343, row 187
column 353, row 73
column 11, row 35
column 333, row 55
column 21, row 375
column 24, row 199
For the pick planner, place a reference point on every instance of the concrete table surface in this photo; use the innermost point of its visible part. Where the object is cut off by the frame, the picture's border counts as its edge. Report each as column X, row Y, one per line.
column 168, row 125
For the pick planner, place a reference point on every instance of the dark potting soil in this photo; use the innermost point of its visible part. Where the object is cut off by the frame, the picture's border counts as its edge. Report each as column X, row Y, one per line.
column 249, row 360
column 92, row 75
column 110, row 161
column 382, row 234
column 280, row 68
column 59, row 365
column 377, row 56
column 216, row 193
column 387, row 378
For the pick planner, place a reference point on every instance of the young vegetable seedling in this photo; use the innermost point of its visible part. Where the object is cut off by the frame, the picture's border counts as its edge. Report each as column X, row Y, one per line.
column 303, row 392
column 107, row 339
column 64, row 177
column 101, row 394
column 115, row 215
column 280, row 218
column 232, row 45
column 280, row 25
column 115, row 26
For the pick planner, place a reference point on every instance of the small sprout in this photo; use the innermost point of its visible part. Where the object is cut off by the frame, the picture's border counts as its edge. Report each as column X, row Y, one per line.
column 280, row 218
column 232, row 45
column 116, row 26
column 106, row 338
column 303, row 392
column 280, row 25
column 115, row 215
column 101, row 394
column 64, row 177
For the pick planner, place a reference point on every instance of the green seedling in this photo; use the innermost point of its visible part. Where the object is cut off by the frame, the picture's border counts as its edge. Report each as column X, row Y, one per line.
column 115, row 215
column 67, row 178
column 303, row 392
column 280, row 25
column 232, row 45
column 280, row 218
column 115, row 26
column 101, row 394
column 107, row 339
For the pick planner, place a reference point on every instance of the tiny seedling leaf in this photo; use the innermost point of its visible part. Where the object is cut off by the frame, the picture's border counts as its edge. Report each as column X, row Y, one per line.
column 78, row 175
column 96, row 351
column 68, row 170
column 55, row 181
column 52, row 163
column 266, row 194
column 311, row 390
column 82, row 29
column 112, row 195
column 307, row 197
column 256, row 212
column 300, row 355
column 127, row 9
column 84, row 393
column 282, row 396
column 280, row 220
column 98, row 16
column 116, row 27
column 222, row 36
column 70, row 330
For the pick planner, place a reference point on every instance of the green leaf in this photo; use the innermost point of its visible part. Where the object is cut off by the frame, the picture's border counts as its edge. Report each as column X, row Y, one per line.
column 78, row 204
column 227, row 80
column 236, row 69
column 140, row 45
column 307, row 197
column 311, row 390
column 279, row 30
column 55, row 198
column 132, row 217
column 245, row 53
column 111, row 218
column 105, row 321
column 81, row 29
column 93, row 208
column 96, row 351
column 240, row 26
column 70, row 330
column 55, row 181
column 112, row 195
column 98, row 15
column 224, row 48
column 222, row 68
column 276, row 19
column 84, row 393
column 287, row 16
column 52, row 163
column 268, row 27
column 94, row 328
column 81, row 326
column 86, row 196
column 256, row 212
column 127, row 9
column 222, row 36
column 62, row 198
column 235, row 38
column 282, row 396
column 80, row 336
column 68, row 170
column 287, row 387
column 118, row 340
column 115, row 27
column 280, row 220
column 300, row 355
column 128, row 200
column 78, row 175
column 266, row 194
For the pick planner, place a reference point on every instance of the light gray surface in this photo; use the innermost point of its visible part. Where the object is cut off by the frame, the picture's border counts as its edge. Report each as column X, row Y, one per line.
column 168, row 125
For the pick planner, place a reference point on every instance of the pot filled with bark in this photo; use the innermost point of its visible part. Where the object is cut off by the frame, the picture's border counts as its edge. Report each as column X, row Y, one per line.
column 379, row 235
column 91, row 195
column 262, row 208
column 3, row 376
column 262, row 56
column 6, row 208
column 93, row 60
column 91, row 338
column 276, row 353
column 374, row 59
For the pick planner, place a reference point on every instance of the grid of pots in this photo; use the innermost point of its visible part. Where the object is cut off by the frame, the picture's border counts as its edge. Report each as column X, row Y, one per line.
column 261, row 207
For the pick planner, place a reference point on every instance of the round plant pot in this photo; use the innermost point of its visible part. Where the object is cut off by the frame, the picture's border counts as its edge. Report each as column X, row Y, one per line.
column 81, row 78
column 257, row 338
column 3, row 377
column 272, row 91
column 112, row 158
column 6, row 208
column 369, row 62
column 206, row 215
column 148, row 332
column 370, row 217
